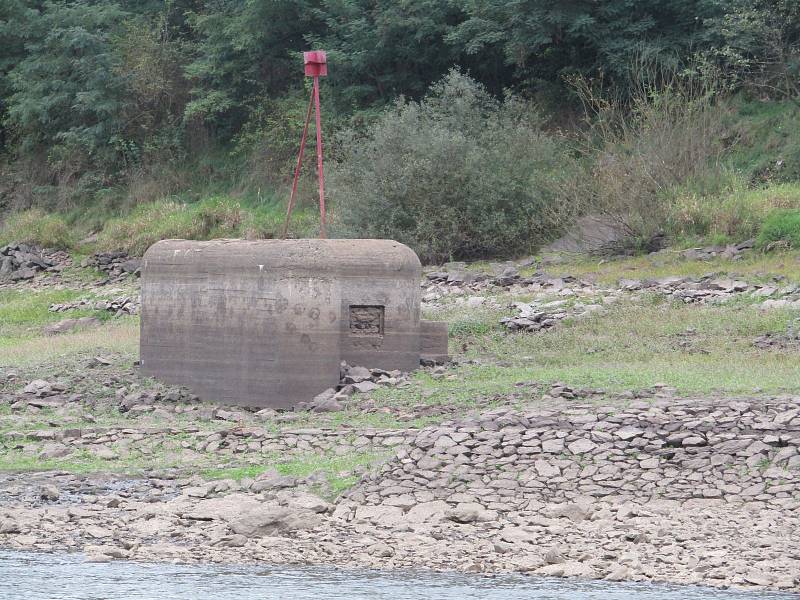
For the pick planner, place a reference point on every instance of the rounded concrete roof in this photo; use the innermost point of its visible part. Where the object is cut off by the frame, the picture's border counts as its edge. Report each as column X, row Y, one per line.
column 343, row 256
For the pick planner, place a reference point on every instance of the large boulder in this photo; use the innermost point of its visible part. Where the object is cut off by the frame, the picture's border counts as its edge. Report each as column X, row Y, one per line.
column 270, row 520
column 68, row 325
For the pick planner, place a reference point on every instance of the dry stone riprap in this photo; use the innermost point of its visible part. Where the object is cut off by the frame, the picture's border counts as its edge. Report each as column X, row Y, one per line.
column 446, row 283
column 353, row 380
column 19, row 262
column 117, row 265
column 123, row 305
column 581, row 299
column 536, row 316
column 674, row 449
column 729, row 251
column 713, row 289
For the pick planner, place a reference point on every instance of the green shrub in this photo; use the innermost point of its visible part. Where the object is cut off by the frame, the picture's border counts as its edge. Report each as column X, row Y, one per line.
column 37, row 227
column 456, row 175
column 782, row 226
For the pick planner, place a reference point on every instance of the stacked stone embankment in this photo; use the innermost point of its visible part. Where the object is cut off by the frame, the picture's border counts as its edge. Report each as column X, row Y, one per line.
column 737, row 451
column 107, row 442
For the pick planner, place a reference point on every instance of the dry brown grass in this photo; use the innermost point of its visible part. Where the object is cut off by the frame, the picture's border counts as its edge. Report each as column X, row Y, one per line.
column 668, row 134
column 119, row 337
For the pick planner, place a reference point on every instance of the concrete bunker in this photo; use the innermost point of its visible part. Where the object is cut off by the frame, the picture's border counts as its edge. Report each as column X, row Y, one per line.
column 267, row 323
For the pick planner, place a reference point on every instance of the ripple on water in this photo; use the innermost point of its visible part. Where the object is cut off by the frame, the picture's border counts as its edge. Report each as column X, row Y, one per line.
column 35, row 576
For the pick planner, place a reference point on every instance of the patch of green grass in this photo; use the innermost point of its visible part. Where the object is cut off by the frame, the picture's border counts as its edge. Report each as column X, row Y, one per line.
column 24, row 313
column 697, row 349
column 299, row 466
column 465, row 320
column 305, row 465
column 83, row 461
column 469, row 327
column 734, row 214
column 118, row 335
column 30, row 307
column 353, row 418
column 754, row 267
column 35, row 226
column 783, row 226
column 77, row 275
column 338, row 485
column 236, row 473
column 766, row 133
column 339, row 471
column 215, row 217
column 132, row 459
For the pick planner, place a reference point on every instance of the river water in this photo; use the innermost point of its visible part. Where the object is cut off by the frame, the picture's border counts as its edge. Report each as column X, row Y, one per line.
column 34, row 576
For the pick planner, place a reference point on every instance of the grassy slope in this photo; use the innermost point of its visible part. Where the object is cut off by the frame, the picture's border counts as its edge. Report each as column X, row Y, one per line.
column 755, row 267
column 633, row 346
column 766, row 135
column 759, row 174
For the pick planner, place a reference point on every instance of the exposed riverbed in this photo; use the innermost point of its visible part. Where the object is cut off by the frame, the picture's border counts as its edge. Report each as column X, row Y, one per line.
column 486, row 467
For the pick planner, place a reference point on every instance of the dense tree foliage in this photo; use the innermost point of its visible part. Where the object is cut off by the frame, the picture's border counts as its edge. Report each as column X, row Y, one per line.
column 111, row 86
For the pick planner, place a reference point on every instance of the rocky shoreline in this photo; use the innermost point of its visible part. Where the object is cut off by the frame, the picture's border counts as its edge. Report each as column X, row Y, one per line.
column 673, row 490
column 542, row 479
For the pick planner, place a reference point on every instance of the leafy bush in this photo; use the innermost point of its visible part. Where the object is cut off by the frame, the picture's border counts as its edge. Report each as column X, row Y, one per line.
column 456, row 175
column 782, row 226
column 37, row 227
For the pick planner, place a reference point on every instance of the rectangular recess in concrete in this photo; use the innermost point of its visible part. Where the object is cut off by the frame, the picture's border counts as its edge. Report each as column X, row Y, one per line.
column 367, row 320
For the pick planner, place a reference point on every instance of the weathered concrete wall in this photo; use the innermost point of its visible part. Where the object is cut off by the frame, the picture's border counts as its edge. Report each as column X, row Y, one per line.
column 266, row 323
column 433, row 341
column 380, row 299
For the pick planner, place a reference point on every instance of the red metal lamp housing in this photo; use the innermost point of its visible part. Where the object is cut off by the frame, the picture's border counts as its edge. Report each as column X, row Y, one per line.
column 316, row 63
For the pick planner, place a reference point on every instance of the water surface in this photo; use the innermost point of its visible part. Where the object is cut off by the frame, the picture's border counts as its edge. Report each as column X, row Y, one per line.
column 38, row 576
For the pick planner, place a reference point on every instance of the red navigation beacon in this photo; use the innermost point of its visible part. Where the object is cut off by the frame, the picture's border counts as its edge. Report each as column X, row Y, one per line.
column 316, row 63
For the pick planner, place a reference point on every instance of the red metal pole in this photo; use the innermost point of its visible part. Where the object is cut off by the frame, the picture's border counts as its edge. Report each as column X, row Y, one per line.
column 319, row 161
column 297, row 168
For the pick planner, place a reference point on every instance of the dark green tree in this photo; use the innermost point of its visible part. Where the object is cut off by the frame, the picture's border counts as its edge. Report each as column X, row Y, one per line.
column 757, row 43
column 67, row 95
column 14, row 17
column 382, row 48
column 244, row 52
column 546, row 40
